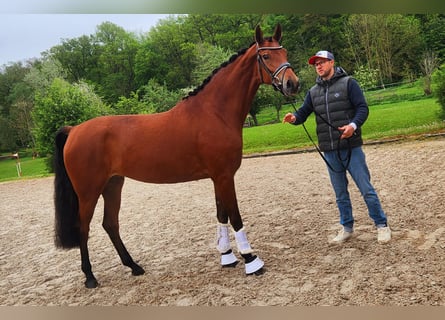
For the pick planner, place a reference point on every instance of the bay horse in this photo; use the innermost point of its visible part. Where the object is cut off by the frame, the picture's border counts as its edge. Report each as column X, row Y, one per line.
column 199, row 138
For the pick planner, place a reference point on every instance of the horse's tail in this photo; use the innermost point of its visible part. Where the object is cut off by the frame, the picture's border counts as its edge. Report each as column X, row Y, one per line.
column 65, row 198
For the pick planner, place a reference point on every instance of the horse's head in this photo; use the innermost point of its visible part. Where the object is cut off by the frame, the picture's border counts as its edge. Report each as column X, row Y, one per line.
column 272, row 62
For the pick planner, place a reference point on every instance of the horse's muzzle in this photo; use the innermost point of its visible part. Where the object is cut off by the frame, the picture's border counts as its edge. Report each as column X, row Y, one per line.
column 291, row 86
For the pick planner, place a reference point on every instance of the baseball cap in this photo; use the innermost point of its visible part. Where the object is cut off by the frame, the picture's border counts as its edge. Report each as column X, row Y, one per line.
column 321, row 54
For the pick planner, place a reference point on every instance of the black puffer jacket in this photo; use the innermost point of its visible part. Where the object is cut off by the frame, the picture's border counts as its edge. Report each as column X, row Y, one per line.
column 337, row 101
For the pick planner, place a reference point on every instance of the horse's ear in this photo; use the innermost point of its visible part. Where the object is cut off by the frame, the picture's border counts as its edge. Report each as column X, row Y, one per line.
column 277, row 33
column 258, row 34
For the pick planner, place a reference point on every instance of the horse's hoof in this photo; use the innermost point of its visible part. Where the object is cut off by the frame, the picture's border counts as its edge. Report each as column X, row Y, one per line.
column 254, row 266
column 258, row 272
column 137, row 271
column 228, row 259
column 231, row 265
column 91, row 283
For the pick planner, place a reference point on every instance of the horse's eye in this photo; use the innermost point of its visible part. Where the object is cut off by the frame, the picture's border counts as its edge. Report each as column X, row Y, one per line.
column 266, row 56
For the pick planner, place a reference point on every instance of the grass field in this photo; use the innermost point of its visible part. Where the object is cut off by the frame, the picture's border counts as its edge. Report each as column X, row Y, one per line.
column 394, row 112
column 384, row 121
column 31, row 168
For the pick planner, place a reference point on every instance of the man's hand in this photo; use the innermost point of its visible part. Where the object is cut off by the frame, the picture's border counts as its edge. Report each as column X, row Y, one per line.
column 289, row 117
column 347, row 131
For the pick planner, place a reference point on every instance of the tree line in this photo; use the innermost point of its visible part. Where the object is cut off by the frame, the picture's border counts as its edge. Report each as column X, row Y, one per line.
column 114, row 71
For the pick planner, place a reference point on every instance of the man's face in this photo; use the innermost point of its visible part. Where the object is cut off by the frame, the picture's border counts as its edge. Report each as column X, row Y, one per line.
column 324, row 67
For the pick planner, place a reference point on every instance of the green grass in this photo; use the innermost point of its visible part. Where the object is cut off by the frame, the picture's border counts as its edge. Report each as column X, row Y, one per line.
column 406, row 92
column 403, row 118
column 31, row 168
column 384, row 121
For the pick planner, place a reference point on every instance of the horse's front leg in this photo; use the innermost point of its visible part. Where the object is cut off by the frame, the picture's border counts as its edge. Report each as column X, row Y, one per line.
column 228, row 259
column 227, row 209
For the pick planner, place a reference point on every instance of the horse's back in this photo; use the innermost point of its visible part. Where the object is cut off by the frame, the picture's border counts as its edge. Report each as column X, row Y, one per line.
column 149, row 148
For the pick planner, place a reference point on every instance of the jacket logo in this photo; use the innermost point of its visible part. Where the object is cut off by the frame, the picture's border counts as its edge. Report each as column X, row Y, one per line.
column 337, row 95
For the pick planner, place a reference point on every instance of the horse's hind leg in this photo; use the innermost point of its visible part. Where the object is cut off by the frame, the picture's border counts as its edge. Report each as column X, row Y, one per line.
column 112, row 202
column 86, row 211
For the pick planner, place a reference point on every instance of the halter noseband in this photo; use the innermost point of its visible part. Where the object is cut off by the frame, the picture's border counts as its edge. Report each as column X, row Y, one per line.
column 276, row 82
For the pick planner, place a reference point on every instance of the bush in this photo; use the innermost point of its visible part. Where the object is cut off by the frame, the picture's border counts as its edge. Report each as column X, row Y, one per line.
column 366, row 77
column 438, row 85
column 60, row 105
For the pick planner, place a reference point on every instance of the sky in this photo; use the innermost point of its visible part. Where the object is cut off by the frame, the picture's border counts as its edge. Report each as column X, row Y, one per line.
column 26, row 36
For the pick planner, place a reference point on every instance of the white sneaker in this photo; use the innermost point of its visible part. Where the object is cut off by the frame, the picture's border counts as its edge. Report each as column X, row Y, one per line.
column 383, row 235
column 342, row 236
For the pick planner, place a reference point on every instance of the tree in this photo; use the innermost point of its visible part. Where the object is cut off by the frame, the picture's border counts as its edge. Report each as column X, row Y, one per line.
column 433, row 33
column 438, row 83
column 366, row 77
column 383, row 41
column 10, row 76
column 42, row 75
column 148, row 64
column 22, row 124
column 14, row 94
column 63, row 104
column 78, row 57
column 266, row 96
column 7, row 135
column 308, row 33
column 167, row 54
column 131, row 105
column 158, row 98
column 20, row 114
column 428, row 65
column 151, row 98
column 229, row 31
column 117, row 51
column 209, row 58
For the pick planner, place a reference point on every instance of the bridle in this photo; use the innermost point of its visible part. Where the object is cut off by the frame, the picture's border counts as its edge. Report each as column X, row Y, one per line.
column 277, row 82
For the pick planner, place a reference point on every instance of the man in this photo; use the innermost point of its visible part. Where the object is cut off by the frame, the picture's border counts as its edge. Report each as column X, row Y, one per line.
column 341, row 109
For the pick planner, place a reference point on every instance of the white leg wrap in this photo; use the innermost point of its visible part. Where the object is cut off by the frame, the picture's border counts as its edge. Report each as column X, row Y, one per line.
column 242, row 243
column 254, row 265
column 228, row 258
column 222, row 238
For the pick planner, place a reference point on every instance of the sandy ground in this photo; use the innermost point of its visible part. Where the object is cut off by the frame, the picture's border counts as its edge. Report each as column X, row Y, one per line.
column 290, row 214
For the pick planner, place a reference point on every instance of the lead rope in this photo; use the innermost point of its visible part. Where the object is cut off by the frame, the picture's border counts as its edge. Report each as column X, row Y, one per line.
column 348, row 156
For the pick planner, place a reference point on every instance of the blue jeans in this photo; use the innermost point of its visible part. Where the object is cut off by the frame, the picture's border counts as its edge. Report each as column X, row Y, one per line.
column 359, row 172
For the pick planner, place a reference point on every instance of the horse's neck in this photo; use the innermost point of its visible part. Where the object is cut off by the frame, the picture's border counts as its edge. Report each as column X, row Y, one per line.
column 242, row 81
column 231, row 91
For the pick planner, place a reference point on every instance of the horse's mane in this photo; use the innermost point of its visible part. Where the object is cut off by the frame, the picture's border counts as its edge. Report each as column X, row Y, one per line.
column 223, row 65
